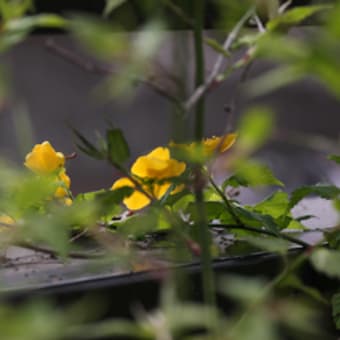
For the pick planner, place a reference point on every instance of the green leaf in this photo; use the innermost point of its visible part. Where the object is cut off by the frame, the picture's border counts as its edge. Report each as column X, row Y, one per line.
column 117, row 147
column 112, row 5
column 138, row 225
column 213, row 210
column 295, row 16
column 334, row 158
column 86, row 146
column 255, row 219
column 113, row 197
column 336, row 309
column 275, row 205
column 251, row 174
column 326, row 261
column 324, row 191
column 28, row 23
column 254, row 129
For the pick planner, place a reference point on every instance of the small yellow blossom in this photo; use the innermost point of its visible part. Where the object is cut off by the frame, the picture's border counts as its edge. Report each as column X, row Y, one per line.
column 43, row 159
column 209, row 145
column 219, row 144
column 157, row 165
column 62, row 191
column 136, row 200
column 5, row 222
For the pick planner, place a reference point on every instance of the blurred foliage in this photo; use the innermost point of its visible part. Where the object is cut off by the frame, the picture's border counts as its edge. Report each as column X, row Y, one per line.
column 183, row 199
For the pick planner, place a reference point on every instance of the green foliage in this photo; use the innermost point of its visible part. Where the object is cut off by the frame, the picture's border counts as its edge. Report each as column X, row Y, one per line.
column 251, row 173
column 111, row 5
column 118, row 149
column 254, row 129
column 328, row 192
column 336, row 309
column 32, row 321
column 114, row 148
column 33, row 215
column 295, row 16
column 326, row 261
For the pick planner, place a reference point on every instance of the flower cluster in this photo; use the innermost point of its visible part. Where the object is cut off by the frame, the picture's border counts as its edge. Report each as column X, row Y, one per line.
column 45, row 161
column 152, row 174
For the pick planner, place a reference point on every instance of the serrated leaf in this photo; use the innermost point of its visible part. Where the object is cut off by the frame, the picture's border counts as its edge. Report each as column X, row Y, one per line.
column 275, row 205
column 326, row 261
column 112, row 5
column 253, row 173
column 117, row 147
column 295, row 16
column 252, row 218
column 324, row 191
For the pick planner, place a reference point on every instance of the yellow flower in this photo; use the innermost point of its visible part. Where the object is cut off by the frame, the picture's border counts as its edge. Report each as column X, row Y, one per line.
column 43, row 159
column 136, row 200
column 157, row 165
column 5, row 222
column 202, row 151
column 62, row 191
column 219, row 144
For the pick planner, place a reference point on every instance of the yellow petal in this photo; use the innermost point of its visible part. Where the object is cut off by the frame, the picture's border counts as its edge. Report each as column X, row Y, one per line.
column 222, row 143
column 43, row 159
column 136, row 200
column 157, row 165
column 228, row 141
column 62, row 190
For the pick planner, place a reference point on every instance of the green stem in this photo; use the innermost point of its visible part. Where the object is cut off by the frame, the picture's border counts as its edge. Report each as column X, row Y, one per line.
column 228, row 204
column 199, row 180
column 204, row 240
column 199, row 10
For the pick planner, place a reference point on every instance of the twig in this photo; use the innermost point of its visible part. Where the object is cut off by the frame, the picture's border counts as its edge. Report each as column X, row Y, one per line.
column 284, row 6
column 259, row 24
column 286, row 237
column 202, row 89
column 101, row 69
column 55, row 254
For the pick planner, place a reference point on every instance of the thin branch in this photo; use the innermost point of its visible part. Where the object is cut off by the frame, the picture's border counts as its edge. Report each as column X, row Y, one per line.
column 105, row 70
column 259, row 24
column 284, row 6
column 55, row 254
column 202, row 89
column 264, row 232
